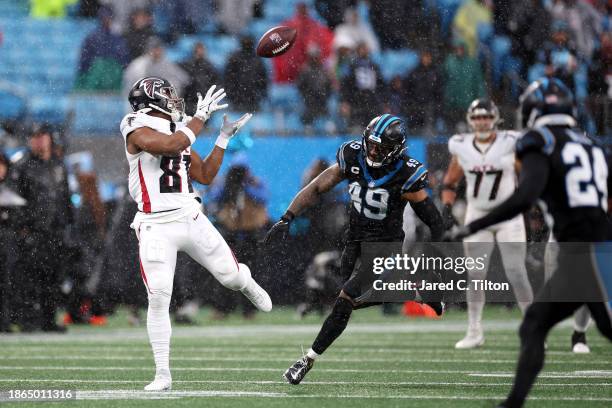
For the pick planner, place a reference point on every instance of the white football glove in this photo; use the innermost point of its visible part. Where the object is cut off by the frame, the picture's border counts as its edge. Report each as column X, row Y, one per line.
column 229, row 129
column 210, row 103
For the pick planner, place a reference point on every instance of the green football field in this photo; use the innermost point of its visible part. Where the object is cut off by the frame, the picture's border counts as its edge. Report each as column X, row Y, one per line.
column 379, row 361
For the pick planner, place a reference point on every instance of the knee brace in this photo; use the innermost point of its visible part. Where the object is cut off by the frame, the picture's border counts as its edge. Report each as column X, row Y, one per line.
column 237, row 278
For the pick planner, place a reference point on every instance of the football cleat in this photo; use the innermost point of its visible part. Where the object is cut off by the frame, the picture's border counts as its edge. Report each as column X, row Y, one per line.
column 437, row 307
column 579, row 343
column 258, row 296
column 296, row 373
column 160, row 383
column 473, row 339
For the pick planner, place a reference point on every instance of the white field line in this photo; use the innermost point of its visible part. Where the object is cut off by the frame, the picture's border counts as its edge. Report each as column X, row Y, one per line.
column 145, row 395
column 283, row 383
column 552, row 374
column 286, row 360
column 255, row 349
column 268, row 330
column 568, row 374
column 130, row 394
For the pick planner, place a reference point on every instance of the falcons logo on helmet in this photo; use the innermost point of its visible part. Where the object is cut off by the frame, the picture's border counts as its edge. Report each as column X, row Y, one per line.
column 150, row 85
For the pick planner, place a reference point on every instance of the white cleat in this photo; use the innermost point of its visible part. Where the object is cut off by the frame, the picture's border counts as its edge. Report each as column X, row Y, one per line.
column 258, row 296
column 581, row 348
column 160, row 384
column 470, row 341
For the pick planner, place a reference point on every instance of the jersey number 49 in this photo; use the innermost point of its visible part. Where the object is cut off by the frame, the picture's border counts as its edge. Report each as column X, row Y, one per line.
column 371, row 202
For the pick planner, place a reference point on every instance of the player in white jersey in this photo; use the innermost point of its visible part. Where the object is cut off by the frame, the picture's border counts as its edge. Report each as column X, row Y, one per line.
column 158, row 138
column 486, row 158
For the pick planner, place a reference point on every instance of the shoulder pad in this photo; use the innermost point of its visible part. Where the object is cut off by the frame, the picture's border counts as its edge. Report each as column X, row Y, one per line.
column 346, row 151
column 454, row 141
column 416, row 176
column 513, row 134
column 539, row 139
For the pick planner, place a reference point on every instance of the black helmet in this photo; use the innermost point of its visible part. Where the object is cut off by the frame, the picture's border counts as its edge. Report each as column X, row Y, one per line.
column 482, row 108
column 545, row 97
column 384, row 140
column 159, row 94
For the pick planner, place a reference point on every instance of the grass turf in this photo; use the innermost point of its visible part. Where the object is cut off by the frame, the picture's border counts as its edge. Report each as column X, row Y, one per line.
column 379, row 361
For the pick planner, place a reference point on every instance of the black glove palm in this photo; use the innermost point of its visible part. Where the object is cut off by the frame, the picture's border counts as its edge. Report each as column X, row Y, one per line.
column 280, row 230
column 448, row 217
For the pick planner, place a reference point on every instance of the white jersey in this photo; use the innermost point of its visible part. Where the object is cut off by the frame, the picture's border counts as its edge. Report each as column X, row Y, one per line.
column 160, row 185
column 490, row 172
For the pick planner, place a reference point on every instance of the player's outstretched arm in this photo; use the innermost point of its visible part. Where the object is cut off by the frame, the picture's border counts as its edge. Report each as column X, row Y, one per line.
column 154, row 142
column 425, row 209
column 205, row 170
column 453, row 176
column 534, row 175
column 307, row 197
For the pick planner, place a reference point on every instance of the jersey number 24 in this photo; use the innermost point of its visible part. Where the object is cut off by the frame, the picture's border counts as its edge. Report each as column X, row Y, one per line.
column 586, row 180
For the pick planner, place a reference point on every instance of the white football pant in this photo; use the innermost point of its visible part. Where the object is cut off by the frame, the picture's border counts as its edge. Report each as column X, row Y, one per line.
column 513, row 251
column 159, row 244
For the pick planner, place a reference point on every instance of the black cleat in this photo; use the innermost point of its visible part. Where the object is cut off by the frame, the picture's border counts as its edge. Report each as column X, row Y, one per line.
column 579, row 343
column 296, row 373
column 438, row 307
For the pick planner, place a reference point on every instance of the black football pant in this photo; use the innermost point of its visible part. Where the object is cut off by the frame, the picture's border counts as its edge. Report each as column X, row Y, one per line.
column 576, row 276
column 538, row 320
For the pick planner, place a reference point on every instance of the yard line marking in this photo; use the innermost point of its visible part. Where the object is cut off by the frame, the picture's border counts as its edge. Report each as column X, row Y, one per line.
column 145, row 349
column 284, row 360
column 270, row 382
column 408, row 327
column 570, row 374
column 132, row 394
column 552, row 374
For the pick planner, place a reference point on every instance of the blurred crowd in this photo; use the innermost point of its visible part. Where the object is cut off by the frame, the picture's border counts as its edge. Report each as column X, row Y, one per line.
column 466, row 49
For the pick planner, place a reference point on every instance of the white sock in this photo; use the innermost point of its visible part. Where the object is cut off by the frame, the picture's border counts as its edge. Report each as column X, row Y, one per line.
column 475, row 301
column 312, row 355
column 582, row 318
column 159, row 329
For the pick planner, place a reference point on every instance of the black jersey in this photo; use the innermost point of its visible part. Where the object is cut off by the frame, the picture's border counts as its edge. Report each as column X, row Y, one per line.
column 576, row 194
column 377, row 207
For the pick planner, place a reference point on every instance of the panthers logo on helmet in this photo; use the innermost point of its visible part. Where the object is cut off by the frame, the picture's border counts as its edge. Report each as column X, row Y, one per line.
column 150, row 85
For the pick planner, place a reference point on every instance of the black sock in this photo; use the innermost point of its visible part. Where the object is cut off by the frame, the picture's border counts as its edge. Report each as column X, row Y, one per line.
column 333, row 326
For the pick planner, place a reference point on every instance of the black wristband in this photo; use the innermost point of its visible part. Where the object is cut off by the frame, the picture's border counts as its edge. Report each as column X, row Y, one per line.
column 288, row 216
column 429, row 214
column 449, row 187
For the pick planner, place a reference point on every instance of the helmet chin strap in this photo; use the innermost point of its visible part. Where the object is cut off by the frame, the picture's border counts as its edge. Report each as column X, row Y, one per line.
column 372, row 163
column 175, row 116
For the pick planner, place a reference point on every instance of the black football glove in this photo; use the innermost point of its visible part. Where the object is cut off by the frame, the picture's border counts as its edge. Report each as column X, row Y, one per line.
column 447, row 216
column 457, row 233
column 280, row 230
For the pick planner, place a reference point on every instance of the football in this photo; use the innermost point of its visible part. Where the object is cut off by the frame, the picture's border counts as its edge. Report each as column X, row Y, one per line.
column 276, row 41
